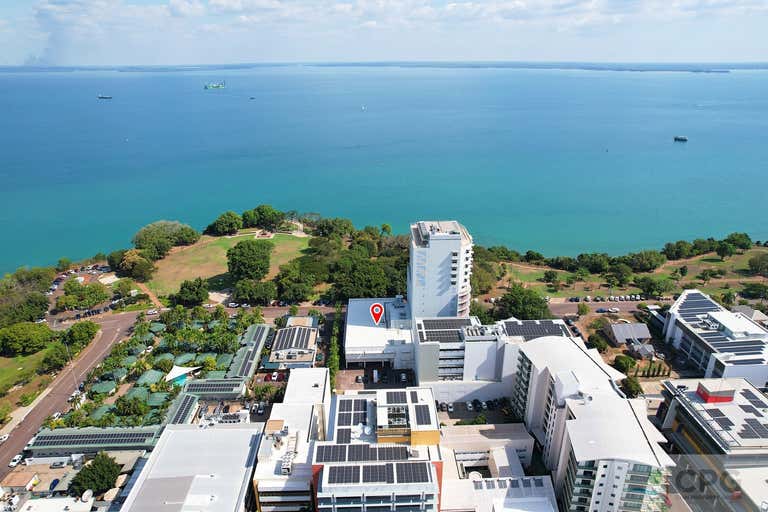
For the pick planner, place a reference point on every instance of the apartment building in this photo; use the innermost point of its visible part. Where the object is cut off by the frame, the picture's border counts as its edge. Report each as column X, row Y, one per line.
column 718, row 342
column 439, row 269
column 603, row 452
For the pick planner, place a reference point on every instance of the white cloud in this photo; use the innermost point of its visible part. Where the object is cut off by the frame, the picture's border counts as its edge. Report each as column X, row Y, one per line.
column 186, row 8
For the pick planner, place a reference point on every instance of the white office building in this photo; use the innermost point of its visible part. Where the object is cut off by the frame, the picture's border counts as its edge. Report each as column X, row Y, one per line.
column 718, row 342
column 387, row 343
column 439, row 269
column 460, row 359
column 603, row 452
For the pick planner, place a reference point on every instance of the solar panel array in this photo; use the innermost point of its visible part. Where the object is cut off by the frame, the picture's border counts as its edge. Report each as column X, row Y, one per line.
column 361, row 405
column 396, row 397
column 378, row 473
column 752, row 410
column 531, row 329
column 296, row 337
column 422, row 415
column 247, row 363
column 182, row 413
column 696, row 304
column 412, row 472
column 753, row 429
column 93, row 438
column 414, row 396
column 345, row 405
column 360, row 453
column 344, row 475
column 214, row 386
column 446, row 324
column 753, row 399
column 442, row 336
column 343, row 435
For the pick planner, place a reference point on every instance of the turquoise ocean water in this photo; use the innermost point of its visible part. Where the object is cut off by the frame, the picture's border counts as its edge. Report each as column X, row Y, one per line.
column 562, row 161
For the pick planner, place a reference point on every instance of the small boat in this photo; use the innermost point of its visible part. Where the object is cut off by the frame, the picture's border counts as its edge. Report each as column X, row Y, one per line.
column 681, row 138
column 215, row 85
column 102, row 97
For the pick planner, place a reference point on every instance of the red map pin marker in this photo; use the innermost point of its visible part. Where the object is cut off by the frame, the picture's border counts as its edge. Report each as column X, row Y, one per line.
column 377, row 311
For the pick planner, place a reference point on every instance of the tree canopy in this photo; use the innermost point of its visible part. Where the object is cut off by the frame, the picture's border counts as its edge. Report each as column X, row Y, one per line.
column 191, row 293
column 263, row 216
column 25, row 338
column 99, row 476
column 523, row 304
column 249, row 259
column 228, row 223
column 156, row 239
column 255, row 292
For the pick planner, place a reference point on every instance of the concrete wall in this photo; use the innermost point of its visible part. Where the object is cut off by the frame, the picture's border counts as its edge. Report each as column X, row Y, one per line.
column 461, row 391
column 480, row 360
column 427, row 357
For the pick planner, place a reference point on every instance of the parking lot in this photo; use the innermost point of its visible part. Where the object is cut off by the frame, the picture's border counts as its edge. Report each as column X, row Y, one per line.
column 359, row 378
column 495, row 413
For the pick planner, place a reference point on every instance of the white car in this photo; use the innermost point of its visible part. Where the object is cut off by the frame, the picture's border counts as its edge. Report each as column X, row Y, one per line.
column 274, row 376
column 152, row 312
column 56, row 415
column 469, row 406
column 15, row 461
column 4, row 438
column 614, row 310
column 208, row 305
column 245, row 306
column 233, row 305
column 450, row 407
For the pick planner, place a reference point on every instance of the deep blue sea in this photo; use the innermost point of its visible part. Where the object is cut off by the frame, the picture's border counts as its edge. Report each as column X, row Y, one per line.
column 561, row 161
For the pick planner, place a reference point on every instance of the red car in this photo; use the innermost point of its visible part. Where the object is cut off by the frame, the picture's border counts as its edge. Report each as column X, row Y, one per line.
column 267, row 377
column 280, row 377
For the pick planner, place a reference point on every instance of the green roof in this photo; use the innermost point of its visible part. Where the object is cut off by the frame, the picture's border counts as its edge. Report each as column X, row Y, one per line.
column 167, row 355
column 183, row 359
column 146, row 338
column 197, row 324
column 157, row 399
column 100, row 411
column 201, row 357
column 104, row 388
column 137, row 349
column 138, row 392
column 117, row 374
column 224, row 360
column 156, row 327
column 216, row 374
column 213, row 323
column 150, row 377
column 129, row 361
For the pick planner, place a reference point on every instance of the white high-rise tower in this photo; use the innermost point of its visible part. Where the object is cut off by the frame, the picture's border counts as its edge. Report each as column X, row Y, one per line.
column 439, row 269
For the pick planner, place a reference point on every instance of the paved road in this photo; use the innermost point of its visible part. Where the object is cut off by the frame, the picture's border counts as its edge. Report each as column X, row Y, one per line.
column 113, row 328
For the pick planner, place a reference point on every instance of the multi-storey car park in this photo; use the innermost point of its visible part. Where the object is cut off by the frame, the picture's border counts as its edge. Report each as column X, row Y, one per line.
column 717, row 342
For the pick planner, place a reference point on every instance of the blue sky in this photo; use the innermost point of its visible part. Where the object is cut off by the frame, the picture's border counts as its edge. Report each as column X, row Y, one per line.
column 103, row 32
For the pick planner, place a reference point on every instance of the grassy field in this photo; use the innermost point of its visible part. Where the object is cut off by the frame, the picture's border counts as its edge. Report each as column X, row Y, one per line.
column 11, row 368
column 736, row 268
column 208, row 259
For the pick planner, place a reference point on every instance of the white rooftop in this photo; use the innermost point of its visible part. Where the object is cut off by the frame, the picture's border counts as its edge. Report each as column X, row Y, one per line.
column 737, row 324
column 752, row 482
column 195, row 469
column 523, row 494
column 726, row 421
column 362, row 333
column 57, row 505
column 306, row 385
column 424, row 230
column 613, row 428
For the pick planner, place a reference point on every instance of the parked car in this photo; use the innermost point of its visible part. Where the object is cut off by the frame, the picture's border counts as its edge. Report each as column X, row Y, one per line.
column 450, row 408
column 601, row 310
column 260, row 409
column 614, row 310
column 443, row 406
column 280, row 377
column 484, row 406
column 4, row 438
column 152, row 312
column 15, row 460
column 469, row 406
column 58, row 464
column 274, row 375
column 233, row 305
column 268, row 377
column 56, row 415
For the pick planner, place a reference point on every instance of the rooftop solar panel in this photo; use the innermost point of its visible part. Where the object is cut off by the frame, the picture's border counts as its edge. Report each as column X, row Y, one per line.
column 378, row 473
column 414, row 396
column 359, row 417
column 446, row 324
column 396, row 397
column 412, row 472
column 361, row 405
column 344, row 475
column 422, row 415
column 331, row 453
column 343, row 436
column 344, row 419
column 715, row 413
column 182, row 413
column 345, row 405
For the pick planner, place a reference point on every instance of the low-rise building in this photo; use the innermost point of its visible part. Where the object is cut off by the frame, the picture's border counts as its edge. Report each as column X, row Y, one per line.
column 603, row 452
column 717, row 342
column 387, row 343
column 282, row 479
column 294, row 347
column 203, row 469
column 62, row 442
column 720, row 424
column 621, row 333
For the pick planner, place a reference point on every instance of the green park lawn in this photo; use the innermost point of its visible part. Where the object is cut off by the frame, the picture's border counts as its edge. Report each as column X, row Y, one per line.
column 208, row 259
